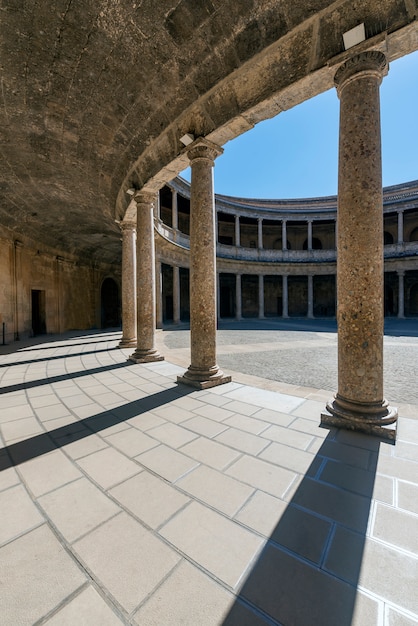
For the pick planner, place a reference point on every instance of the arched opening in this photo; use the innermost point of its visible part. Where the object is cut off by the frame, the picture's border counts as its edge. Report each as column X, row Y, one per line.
column 387, row 238
column 110, row 304
column 414, row 235
column 316, row 244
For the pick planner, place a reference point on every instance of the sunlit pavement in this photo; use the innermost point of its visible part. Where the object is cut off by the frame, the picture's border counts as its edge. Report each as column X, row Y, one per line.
column 128, row 499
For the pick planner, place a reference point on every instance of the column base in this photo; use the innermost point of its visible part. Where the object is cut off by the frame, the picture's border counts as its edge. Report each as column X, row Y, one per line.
column 127, row 343
column 145, row 356
column 203, row 379
column 374, row 418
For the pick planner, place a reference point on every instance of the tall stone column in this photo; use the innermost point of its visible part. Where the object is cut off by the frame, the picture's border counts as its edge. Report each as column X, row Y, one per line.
column 158, row 294
column 128, row 284
column 309, row 234
column 310, row 296
column 203, row 371
column 359, row 403
column 174, row 210
column 260, row 296
column 285, row 297
column 238, row 297
column 176, row 294
column 401, row 294
column 145, row 263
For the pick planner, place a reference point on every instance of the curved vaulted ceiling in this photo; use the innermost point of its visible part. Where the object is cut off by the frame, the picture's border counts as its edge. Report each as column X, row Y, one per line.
column 95, row 94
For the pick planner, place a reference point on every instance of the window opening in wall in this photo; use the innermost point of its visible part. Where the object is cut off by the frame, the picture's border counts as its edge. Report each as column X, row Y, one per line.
column 110, row 304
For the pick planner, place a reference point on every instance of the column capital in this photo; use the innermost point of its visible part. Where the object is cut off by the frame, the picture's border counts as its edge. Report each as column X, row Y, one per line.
column 144, row 197
column 371, row 62
column 203, row 149
column 127, row 225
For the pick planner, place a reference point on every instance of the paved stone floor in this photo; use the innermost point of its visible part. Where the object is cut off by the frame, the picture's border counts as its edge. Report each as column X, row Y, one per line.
column 127, row 499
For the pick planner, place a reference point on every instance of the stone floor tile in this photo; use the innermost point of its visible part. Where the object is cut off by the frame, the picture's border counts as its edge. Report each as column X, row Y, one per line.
column 378, row 558
column 296, row 460
column 145, row 421
column 40, row 575
column 396, row 527
column 205, row 426
column 149, row 498
column 288, row 437
column 348, row 477
column 262, row 512
column 242, row 408
column 384, row 489
column 216, row 413
column 217, row 544
column 131, row 441
column 12, row 413
column 43, row 400
column 222, row 492
column 408, row 429
column 394, row 618
column 77, row 508
column 214, row 399
column 20, row 428
column 304, row 425
column 406, row 450
column 18, row 513
column 172, row 435
column 52, row 412
column 366, row 610
column 275, row 585
column 210, row 452
column 173, row 413
column 408, row 496
column 186, row 597
column 398, row 468
column 266, row 399
column 166, row 462
column 8, row 476
column 351, row 455
column 240, row 440
column 108, row 467
column 309, row 409
column 274, row 417
column 262, row 475
column 140, row 561
column 86, row 608
column 250, row 425
column 302, row 533
column 47, row 472
column 85, row 446
column 339, row 505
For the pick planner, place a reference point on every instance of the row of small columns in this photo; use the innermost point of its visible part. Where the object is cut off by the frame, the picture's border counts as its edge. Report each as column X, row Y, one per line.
column 359, row 403
column 283, row 222
column 285, row 298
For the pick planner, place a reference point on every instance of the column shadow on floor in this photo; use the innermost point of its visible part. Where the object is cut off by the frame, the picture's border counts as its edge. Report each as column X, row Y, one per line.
column 307, row 573
column 22, row 451
column 58, row 357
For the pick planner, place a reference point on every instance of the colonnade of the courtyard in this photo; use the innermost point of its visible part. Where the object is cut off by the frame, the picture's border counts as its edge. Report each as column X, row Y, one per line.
column 359, row 403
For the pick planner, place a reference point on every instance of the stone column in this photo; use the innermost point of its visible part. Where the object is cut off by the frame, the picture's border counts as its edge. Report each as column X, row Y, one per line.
column 128, row 285
column 359, row 403
column 309, row 234
column 284, row 235
column 285, row 297
column 17, row 278
column 174, row 210
column 145, row 263
column 400, row 226
column 260, row 297
column 176, row 294
column 260, row 233
column 310, row 296
column 158, row 294
column 238, row 298
column 203, row 371
column 237, row 231
column 401, row 294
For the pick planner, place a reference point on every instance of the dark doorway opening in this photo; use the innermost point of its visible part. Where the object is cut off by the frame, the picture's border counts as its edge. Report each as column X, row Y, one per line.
column 110, row 305
column 38, row 312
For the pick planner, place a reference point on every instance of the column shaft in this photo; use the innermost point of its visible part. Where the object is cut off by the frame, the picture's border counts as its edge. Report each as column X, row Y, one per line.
column 145, row 261
column 238, row 297
column 309, row 235
column 310, row 296
column 237, row 231
column 284, row 235
column 261, row 296
column 400, row 226
column 203, row 371
column 359, row 402
column 401, row 295
column 285, row 297
column 174, row 210
column 176, row 294
column 260, row 233
column 128, row 285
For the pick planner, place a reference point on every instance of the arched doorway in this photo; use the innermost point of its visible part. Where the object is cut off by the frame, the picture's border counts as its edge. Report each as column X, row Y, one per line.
column 110, row 304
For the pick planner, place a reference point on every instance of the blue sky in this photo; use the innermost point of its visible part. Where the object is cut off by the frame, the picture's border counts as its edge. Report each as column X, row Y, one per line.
column 295, row 155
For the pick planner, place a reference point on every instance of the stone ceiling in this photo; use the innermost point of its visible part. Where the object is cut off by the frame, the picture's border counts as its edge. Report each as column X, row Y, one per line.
column 95, row 94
